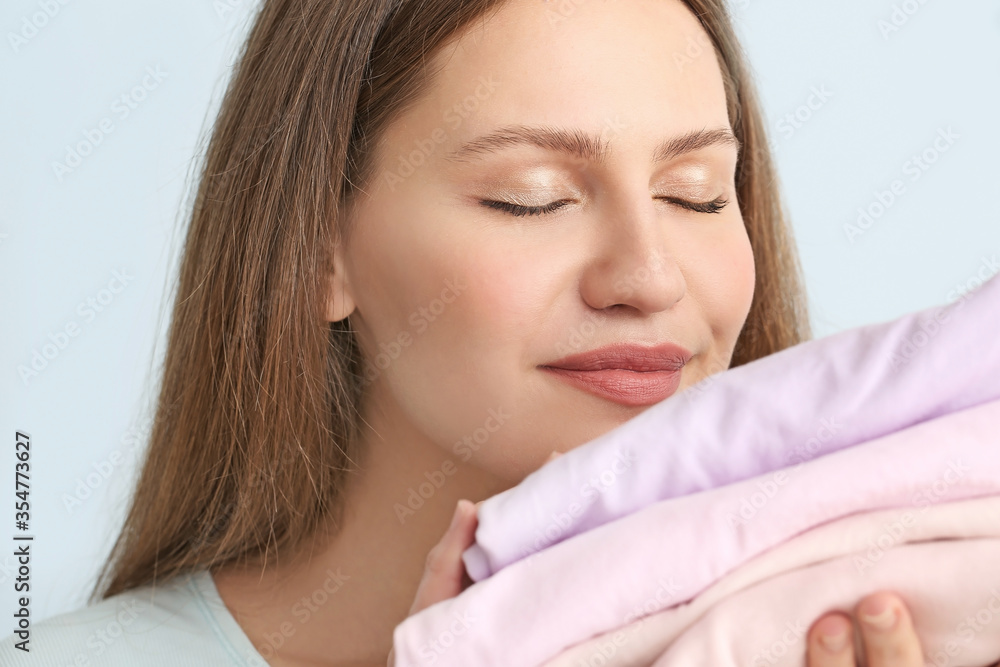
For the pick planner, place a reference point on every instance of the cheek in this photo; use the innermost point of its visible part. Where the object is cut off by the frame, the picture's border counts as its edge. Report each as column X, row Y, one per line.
column 511, row 292
column 463, row 304
column 462, row 383
column 725, row 282
column 472, row 358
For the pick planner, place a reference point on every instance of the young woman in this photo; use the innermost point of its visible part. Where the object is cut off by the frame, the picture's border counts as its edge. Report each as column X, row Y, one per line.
column 408, row 212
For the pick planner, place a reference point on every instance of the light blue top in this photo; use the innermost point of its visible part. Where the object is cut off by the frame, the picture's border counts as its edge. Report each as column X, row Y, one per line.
column 182, row 623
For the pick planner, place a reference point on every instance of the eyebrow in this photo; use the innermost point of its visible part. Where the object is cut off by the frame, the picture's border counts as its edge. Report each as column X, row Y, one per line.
column 582, row 145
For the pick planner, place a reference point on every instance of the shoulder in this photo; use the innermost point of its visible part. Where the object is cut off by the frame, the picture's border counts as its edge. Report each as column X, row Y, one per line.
column 181, row 623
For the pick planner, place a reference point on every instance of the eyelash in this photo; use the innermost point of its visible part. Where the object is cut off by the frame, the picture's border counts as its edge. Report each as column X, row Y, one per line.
column 714, row 206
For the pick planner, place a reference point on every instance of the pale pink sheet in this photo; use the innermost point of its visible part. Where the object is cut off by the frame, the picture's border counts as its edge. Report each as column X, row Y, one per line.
column 944, row 560
column 537, row 608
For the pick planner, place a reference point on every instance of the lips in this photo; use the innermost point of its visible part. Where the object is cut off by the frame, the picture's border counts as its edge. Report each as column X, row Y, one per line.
column 628, row 374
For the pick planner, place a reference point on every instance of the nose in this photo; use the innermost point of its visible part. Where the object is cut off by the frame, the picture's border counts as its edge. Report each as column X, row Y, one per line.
column 632, row 263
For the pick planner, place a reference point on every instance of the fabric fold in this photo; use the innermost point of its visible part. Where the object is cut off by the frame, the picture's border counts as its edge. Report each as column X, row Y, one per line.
column 602, row 579
column 757, row 615
column 800, row 404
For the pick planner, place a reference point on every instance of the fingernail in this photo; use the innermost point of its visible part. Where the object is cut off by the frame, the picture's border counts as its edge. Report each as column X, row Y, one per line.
column 459, row 511
column 454, row 515
column 834, row 643
column 878, row 614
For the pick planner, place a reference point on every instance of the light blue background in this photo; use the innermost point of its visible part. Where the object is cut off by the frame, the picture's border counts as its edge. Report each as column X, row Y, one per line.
column 120, row 209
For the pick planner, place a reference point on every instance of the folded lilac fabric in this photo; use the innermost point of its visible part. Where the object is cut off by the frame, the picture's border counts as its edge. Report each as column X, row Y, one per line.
column 805, row 402
column 673, row 550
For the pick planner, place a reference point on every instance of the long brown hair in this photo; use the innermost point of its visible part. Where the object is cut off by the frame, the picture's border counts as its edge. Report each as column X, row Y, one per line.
column 256, row 422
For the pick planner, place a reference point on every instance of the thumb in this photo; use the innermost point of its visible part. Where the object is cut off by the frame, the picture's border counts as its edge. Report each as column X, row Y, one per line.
column 444, row 569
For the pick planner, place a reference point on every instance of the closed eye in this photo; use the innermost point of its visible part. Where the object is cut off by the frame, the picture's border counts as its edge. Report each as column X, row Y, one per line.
column 714, row 206
column 519, row 210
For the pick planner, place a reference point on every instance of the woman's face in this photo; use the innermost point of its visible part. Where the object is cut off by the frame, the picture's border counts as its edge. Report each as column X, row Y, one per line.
column 457, row 304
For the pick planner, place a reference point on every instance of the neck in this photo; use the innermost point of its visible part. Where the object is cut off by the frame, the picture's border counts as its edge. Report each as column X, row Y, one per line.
column 339, row 603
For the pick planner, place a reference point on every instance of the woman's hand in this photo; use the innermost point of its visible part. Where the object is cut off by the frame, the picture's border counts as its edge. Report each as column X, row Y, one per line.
column 886, row 633
column 444, row 572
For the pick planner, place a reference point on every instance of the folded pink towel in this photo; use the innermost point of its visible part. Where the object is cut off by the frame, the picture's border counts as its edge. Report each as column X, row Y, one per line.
column 942, row 559
column 799, row 404
column 602, row 579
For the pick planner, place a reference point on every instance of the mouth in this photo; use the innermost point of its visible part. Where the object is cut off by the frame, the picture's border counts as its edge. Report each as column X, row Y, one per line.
column 626, row 373
column 621, row 385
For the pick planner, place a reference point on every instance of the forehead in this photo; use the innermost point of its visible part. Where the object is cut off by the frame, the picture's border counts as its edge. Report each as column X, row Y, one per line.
column 580, row 63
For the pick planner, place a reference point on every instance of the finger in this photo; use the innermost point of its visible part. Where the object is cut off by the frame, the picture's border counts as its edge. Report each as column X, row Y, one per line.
column 830, row 642
column 887, row 632
column 444, row 568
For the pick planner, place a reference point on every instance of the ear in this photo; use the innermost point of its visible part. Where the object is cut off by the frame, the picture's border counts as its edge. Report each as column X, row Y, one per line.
column 340, row 300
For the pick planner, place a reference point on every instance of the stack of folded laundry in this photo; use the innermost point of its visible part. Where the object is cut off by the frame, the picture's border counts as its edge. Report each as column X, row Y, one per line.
column 718, row 525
